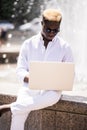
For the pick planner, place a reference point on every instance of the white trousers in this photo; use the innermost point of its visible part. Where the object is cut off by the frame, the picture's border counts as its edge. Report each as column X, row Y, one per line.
column 29, row 100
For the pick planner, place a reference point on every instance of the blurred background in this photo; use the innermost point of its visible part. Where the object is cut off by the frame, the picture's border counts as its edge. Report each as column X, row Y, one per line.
column 20, row 19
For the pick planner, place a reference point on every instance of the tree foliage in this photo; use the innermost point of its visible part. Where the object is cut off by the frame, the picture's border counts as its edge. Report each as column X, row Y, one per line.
column 20, row 11
column 6, row 9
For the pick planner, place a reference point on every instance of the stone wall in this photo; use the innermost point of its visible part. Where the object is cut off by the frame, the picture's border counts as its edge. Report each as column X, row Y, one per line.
column 70, row 113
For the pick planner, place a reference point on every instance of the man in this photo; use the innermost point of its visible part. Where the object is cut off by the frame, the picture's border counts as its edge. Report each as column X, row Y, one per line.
column 45, row 46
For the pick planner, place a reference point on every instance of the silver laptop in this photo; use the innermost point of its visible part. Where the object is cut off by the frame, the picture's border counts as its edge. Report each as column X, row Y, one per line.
column 51, row 76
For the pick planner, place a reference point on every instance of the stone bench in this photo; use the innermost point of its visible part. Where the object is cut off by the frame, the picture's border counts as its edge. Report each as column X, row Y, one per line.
column 70, row 113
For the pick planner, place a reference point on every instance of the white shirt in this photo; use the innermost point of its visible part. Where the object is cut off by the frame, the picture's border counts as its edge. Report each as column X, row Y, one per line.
column 33, row 49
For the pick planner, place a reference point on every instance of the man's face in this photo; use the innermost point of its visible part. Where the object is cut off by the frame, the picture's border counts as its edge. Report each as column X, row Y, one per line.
column 50, row 29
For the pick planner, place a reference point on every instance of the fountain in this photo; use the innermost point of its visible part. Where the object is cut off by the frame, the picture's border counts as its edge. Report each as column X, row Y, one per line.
column 73, row 30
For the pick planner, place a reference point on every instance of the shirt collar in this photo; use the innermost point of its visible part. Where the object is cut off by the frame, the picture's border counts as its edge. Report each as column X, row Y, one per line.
column 53, row 40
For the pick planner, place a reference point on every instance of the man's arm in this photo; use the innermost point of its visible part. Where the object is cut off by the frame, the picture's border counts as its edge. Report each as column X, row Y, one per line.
column 23, row 64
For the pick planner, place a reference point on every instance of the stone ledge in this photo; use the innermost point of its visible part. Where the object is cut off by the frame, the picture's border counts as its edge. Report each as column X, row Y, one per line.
column 73, row 103
column 70, row 113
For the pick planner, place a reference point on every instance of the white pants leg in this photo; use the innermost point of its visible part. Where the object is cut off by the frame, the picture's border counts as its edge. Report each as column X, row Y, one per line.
column 27, row 102
column 18, row 121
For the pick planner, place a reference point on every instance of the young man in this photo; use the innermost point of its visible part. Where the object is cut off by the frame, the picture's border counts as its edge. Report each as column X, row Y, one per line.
column 45, row 46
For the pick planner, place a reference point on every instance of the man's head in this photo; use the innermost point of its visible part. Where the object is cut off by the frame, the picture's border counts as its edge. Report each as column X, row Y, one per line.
column 51, row 19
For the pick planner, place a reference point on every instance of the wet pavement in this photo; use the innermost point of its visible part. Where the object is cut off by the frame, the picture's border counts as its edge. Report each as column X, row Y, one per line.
column 9, row 83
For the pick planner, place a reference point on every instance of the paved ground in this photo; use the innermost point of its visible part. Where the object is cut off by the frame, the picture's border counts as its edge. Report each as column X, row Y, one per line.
column 9, row 83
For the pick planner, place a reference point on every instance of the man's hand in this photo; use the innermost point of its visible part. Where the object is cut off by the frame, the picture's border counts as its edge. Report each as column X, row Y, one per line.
column 26, row 78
